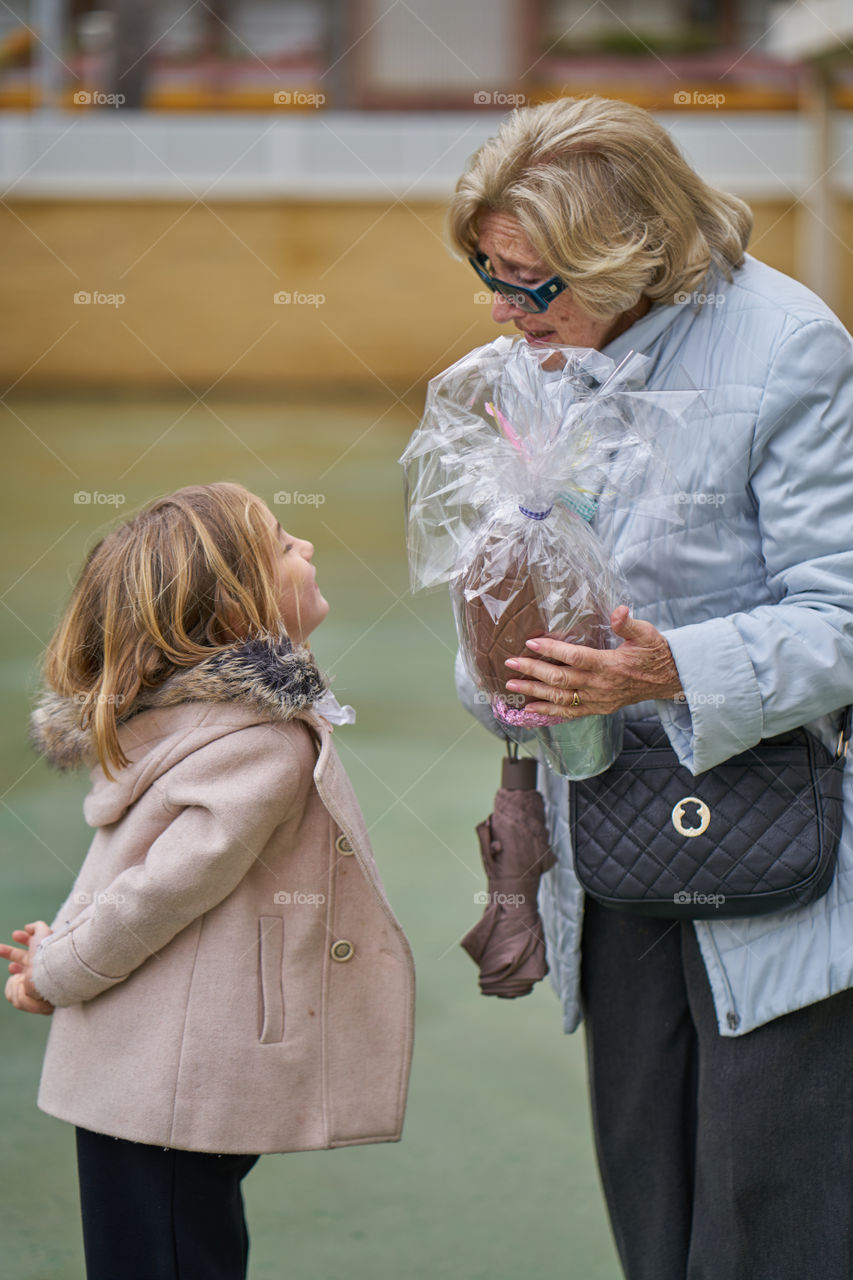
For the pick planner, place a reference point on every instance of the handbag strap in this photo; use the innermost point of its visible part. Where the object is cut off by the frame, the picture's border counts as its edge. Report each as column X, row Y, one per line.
column 844, row 735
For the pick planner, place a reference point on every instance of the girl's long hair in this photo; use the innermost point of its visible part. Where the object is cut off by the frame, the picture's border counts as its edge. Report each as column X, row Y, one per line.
column 193, row 572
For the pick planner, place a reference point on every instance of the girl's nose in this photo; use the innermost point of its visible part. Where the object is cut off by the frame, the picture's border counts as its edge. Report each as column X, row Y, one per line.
column 307, row 549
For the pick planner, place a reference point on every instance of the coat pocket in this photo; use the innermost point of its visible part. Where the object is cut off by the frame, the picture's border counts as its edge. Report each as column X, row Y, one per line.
column 270, row 979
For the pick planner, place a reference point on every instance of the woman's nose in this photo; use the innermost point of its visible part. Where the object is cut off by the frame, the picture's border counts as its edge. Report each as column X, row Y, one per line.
column 503, row 309
column 307, row 549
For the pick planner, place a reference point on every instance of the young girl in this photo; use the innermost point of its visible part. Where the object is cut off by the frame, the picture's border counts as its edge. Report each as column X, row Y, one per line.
column 227, row 975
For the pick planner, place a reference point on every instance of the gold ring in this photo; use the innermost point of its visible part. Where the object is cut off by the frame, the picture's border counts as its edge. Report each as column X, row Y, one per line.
column 576, row 699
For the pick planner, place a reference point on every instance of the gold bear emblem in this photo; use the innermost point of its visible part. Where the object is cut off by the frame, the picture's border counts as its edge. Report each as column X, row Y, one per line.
column 691, row 816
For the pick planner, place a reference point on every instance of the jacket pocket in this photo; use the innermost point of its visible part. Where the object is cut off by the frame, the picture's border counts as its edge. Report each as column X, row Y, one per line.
column 270, row 979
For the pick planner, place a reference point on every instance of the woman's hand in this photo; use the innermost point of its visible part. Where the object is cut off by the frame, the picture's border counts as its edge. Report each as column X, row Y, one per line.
column 20, row 991
column 576, row 681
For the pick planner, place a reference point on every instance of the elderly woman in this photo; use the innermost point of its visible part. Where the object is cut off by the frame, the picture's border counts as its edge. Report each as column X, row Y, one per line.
column 720, row 1052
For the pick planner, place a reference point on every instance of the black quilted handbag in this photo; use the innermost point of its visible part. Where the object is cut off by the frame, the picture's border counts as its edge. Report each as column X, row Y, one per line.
column 755, row 834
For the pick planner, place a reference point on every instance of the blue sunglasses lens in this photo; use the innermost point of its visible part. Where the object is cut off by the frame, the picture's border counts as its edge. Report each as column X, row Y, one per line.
column 515, row 295
column 517, row 299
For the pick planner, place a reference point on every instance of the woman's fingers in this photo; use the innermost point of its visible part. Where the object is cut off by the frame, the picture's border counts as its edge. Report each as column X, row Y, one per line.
column 548, row 673
column 533, row 689
column 563, row 651
column 558, row 692
column 555, row 712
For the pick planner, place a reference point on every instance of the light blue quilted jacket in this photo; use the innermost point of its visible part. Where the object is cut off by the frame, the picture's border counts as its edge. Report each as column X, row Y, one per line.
column 753, row 591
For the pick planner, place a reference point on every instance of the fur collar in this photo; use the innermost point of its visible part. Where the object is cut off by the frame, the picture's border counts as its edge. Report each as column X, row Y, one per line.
column 267, row 674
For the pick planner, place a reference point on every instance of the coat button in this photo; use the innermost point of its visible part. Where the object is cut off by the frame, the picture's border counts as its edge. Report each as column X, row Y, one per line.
column 343, row 845
column 342, row 950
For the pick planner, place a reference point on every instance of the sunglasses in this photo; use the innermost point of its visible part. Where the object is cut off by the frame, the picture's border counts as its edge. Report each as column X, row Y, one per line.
column 534, row 301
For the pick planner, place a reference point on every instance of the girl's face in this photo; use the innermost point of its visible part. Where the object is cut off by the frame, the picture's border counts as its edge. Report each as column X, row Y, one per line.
column 302, row 606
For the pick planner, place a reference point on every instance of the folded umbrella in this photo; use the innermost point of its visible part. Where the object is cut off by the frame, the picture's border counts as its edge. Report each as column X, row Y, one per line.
column 508, row 943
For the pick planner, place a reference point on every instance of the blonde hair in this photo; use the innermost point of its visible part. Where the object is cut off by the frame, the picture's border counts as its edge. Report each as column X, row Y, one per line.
column 189, row 574
column 607, row 201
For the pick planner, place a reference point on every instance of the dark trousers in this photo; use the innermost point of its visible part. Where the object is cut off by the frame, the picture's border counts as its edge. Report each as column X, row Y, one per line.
column 721, row 1158
column 153, row 1213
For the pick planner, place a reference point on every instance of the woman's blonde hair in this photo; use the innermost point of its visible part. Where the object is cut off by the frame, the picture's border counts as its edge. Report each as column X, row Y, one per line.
column 607, row 201
column 189, row 574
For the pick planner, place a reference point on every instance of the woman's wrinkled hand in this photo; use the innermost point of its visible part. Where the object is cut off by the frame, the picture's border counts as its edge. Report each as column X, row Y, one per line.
column 20, row 990
column 572, row 680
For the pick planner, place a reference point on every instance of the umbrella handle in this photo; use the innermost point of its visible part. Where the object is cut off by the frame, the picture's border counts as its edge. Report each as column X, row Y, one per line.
column 519, row 774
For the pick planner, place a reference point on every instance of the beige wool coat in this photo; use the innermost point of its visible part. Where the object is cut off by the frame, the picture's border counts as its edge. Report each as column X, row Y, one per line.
column 228, row 974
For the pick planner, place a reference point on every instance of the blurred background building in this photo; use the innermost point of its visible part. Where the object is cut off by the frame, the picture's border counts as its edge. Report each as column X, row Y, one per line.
column 262, row 182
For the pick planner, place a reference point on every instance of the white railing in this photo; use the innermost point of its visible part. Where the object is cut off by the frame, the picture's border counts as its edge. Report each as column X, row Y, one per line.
column 352, row 155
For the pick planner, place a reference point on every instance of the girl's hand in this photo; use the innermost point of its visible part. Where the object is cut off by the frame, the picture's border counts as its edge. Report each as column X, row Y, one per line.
column 577, row 681
column 20, row 991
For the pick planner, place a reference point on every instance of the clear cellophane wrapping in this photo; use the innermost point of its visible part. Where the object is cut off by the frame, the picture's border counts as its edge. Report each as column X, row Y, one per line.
column 517, row 448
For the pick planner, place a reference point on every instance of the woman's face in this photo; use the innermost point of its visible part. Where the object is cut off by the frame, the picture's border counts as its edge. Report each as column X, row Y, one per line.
column 514, row 259
column 302, row 606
